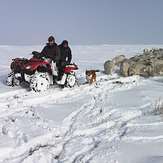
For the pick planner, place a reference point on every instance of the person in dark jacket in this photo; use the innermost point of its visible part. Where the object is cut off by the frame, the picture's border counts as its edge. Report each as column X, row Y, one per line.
column 51, row 50
column 65, row 57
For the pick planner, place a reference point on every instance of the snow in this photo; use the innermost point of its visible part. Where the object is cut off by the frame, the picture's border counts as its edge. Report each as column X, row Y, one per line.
column 110, row 121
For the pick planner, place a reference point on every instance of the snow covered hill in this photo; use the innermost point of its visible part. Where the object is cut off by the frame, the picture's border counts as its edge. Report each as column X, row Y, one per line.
column 112, row 121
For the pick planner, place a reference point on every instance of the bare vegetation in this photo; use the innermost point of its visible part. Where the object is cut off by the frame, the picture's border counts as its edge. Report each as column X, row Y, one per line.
column 158, row 107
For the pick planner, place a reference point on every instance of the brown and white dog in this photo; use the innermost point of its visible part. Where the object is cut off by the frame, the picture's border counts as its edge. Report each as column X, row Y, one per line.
column 91, row 76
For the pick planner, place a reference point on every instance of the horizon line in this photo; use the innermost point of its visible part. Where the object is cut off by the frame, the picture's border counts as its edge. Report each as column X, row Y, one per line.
column 84, row 44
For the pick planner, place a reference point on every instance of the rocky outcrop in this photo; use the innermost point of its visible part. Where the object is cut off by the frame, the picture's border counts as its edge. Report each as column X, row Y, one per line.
column 113, row 65
column 149, row 63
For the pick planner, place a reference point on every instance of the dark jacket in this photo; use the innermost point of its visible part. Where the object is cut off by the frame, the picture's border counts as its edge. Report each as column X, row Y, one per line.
column 52, row 52
column 65, row 55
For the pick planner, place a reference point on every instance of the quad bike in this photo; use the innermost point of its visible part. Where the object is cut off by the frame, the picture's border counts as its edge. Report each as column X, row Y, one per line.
column 39, row 72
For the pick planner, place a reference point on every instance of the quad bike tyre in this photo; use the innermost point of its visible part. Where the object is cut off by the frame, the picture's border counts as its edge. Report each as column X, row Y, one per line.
column 40, row 82
column 71, row 80
column 12, row 80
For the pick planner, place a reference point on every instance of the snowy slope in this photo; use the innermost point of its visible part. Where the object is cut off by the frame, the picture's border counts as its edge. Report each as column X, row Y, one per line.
column 110, row 122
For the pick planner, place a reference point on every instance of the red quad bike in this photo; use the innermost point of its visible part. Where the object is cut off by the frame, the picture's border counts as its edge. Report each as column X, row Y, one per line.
column 39, row 72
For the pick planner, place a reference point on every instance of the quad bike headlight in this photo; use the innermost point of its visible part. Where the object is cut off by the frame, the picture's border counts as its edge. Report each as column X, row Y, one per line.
column 28, row 67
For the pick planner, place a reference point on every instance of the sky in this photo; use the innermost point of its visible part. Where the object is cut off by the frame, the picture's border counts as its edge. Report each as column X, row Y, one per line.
column 81, row 22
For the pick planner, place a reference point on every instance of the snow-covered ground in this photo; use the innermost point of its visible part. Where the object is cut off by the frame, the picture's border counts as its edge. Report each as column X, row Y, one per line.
column 112, row 121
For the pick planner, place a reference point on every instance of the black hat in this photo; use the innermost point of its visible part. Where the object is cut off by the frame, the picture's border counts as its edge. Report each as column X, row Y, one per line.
column 65, row 42
column 51, row 38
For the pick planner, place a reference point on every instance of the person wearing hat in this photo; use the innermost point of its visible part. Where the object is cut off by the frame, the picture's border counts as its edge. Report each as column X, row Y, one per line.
column 51, row 51
column 65, row 57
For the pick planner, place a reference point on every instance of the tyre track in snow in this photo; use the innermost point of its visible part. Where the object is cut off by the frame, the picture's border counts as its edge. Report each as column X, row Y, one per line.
column 86, row 127
column 18, row 100
column 88, row 134
column 93, row 131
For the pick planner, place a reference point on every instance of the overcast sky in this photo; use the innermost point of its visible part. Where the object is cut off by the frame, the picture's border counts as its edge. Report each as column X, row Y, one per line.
column 30, row 22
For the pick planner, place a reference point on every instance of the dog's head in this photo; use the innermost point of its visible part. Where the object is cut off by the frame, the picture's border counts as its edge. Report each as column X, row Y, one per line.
column 88, row 73
column 90, row 76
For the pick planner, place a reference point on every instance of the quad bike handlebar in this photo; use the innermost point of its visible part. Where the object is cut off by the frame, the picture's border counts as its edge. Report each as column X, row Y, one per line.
column 37, row 55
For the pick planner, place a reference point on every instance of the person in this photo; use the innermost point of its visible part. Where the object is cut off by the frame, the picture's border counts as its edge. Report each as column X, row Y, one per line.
column 65, row 57
column 51, row 51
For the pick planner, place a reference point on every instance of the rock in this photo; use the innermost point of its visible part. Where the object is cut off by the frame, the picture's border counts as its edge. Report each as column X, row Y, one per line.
column 158, row 67
column 113, row 65
column 140, row 69
column 108, row 66
column 118, row 59
column 124, row 68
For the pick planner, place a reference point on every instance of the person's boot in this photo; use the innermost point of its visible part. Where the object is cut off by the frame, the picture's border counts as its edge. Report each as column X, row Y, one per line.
column 54, row 79
column 62, row 81
column 61, row 86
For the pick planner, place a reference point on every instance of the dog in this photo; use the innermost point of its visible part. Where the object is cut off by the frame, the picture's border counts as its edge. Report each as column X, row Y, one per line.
column 91, row 76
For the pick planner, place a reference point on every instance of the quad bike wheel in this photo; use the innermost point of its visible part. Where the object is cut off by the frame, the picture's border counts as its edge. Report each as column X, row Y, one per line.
column 12, row 80
column 40, row 82
column 71, row 80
